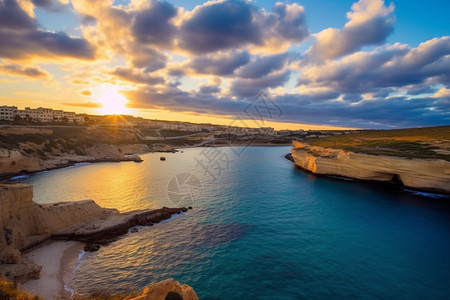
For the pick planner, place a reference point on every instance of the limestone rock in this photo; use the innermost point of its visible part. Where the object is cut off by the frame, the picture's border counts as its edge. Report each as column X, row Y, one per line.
column 422, row 174
column 12, row 257
column 22, row 271
column 24, row 223
column 166, row 289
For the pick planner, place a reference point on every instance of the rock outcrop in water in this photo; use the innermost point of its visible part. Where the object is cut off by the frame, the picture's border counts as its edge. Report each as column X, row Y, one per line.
column 24, row 224
column 421, row 174
column 166, row 289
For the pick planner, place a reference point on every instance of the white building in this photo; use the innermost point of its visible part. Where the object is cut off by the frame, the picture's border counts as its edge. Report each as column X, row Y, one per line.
column 8, row 112
column 58, row 115
column 40, row 114
column 70, row 116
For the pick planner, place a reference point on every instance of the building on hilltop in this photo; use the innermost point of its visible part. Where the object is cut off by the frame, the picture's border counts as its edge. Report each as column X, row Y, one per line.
column 8, row 112
column 40, row 114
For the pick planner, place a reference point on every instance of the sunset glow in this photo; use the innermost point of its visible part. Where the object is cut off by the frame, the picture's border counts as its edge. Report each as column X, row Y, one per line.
column 325, row 64
column 113, row 103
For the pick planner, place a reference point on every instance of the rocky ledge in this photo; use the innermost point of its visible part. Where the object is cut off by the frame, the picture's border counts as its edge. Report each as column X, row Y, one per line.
column 421, row 174
column 24, row 224
column 168, row 289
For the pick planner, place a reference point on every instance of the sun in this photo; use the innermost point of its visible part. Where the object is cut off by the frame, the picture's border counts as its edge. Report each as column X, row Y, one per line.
column 113, row 103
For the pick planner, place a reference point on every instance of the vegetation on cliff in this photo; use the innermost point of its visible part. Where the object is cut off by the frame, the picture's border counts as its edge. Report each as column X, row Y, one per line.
column 9, row 290
column 429, row 142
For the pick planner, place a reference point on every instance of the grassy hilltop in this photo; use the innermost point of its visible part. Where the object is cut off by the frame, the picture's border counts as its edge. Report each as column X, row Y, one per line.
column 428, row 142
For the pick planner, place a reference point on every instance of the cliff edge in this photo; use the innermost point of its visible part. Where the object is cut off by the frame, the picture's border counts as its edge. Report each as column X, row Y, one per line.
column 420, row 174
column 24, row 224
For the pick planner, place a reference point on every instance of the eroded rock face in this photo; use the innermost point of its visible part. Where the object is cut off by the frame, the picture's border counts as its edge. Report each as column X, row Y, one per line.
column 422, row 174
column 17, row 161
column 24, row 223
column 167, row 289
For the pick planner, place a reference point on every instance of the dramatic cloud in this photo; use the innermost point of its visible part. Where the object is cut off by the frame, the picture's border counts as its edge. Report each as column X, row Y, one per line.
column 154, row 26
column 375, row 113
column 215, row 58
column 222, row 25
column 18, row 70
column 261, row 66
column 136, row 77
column 393, row 66
column 220, row 64
column 251, row 87
column 21, row 38
column 149, row 59
column 370, row 22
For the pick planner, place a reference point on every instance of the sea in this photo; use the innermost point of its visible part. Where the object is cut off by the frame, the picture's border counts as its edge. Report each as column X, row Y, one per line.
column 259, row 228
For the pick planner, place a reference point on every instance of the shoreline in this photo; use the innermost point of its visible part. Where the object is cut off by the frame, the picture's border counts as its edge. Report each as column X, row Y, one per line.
column 58, row 259
column 429, row 193
column 8, row 177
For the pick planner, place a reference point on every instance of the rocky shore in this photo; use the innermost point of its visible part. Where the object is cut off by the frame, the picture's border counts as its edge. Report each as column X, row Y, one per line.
column 420, row 174
column 25, row 224
column 14, row 162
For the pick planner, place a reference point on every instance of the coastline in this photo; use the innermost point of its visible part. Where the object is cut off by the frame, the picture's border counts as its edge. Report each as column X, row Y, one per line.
column 8, row 177
column 427, row 176
column 58, row 260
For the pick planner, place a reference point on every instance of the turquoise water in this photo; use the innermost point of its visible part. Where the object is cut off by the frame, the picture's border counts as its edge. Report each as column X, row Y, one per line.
column 261, row 229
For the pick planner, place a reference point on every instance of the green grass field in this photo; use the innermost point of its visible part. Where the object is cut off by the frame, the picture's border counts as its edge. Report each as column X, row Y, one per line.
column 430, row 142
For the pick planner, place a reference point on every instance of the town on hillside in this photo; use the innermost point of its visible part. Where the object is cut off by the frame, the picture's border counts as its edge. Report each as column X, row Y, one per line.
column 159, row 130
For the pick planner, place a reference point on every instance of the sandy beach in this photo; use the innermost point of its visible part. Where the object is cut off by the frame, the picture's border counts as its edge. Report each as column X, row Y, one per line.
column 58, row 260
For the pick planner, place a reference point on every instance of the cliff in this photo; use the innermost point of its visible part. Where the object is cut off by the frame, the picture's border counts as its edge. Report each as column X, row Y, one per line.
column 26, row 149
column 421, row 174
column 24, row 224
column 14, row 161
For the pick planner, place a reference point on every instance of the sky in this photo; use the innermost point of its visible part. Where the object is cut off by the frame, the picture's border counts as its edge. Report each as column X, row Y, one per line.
column 307, row 64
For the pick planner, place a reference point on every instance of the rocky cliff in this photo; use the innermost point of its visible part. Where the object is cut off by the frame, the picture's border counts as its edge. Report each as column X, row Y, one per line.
column 421, row 174
column 14, row 161
column 24, row 223
column 27, row 149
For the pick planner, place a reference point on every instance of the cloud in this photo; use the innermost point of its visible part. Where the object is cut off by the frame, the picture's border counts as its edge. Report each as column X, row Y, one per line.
column 80, row 82
column 376, row 113
column 86, row 93
column 370, row 22
column 442, row 93
column 392, row 66
column 154, row 26
column 22, row 39
column 13, row 17
column 149, row 59
column 251, row 87
column 83, row 104
column 263, row 65
column 219, row 64
column 232, row 24
column 209, row 89
column 18, row 70
column 131, row 75
column 49, row 5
